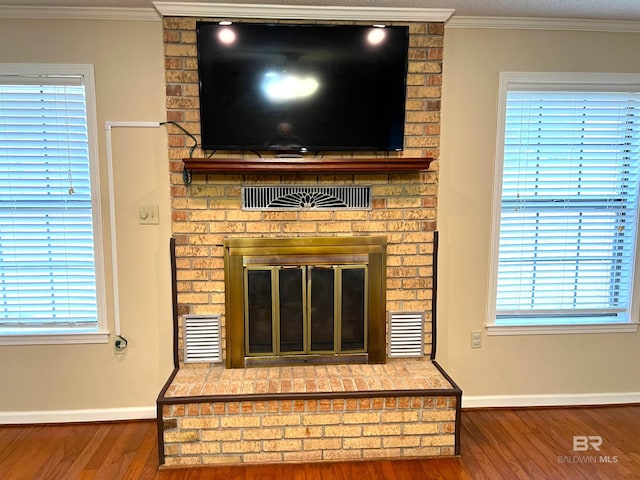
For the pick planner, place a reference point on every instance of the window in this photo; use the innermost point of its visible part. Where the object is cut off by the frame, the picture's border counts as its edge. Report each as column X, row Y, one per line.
column 568, row 184
column 50, row 256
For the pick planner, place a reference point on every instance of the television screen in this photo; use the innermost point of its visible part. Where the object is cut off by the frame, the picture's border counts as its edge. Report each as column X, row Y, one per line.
column 302, row 88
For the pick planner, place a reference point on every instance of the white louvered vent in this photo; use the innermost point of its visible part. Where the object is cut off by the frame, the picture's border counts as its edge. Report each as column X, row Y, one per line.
column 406, row 334
column 202, row 339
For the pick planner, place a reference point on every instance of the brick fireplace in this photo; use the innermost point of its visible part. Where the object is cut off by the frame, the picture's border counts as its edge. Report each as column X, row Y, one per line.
column 212, row 414
column 403, row 209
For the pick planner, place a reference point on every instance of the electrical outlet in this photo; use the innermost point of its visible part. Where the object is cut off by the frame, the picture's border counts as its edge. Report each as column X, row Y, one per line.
column 148, row 215
column 476, row 339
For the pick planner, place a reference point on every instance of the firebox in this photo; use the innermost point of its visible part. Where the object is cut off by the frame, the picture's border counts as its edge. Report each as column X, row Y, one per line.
column 305, row 300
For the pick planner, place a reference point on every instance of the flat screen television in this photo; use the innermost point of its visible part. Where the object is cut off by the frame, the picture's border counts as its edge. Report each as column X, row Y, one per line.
column 302, row 88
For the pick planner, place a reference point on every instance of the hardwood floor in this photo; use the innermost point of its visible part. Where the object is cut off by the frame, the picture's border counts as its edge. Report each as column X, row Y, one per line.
column 496, row 444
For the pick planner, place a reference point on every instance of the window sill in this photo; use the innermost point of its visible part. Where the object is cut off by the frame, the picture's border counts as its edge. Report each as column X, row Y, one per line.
column 54, row 338
column 626, row 327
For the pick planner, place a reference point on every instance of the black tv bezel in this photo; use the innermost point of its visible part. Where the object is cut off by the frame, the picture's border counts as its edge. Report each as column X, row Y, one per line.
column 310, row 149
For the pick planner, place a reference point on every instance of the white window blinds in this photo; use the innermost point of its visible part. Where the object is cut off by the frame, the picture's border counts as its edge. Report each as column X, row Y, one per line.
column 569, row 204
column 47, row 263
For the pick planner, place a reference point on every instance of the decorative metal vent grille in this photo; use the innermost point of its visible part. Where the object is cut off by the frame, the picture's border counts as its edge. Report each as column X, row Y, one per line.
column 202, row 341
column 301, row 197
column 406, row 334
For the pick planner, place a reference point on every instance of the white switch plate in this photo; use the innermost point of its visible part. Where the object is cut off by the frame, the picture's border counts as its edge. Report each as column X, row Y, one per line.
column 476, row 339
column 148, row 215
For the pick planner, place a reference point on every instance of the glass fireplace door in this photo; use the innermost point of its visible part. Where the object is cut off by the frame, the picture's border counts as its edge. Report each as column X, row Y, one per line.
column 290, row 314
column 353, row 301
column 259, row 311
column 275, row 310
column 322, row 310
column 305, row 310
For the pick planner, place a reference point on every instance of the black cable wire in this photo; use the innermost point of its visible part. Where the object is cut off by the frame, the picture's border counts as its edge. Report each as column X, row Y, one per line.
column 195, row 140
column 186, row 174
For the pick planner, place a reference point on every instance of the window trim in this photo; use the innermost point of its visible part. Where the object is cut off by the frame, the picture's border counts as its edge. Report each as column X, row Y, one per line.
column 555, row 81
column 101, row 334
column 70, row 338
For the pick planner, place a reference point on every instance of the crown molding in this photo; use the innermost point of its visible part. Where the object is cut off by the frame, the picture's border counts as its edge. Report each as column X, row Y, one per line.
column 532, row 23
column 299, row 12
column 302, row 12
column 80, row 13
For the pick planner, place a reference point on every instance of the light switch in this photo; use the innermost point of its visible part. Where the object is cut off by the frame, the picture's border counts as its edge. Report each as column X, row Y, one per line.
column 148, row 215
column 476, row 339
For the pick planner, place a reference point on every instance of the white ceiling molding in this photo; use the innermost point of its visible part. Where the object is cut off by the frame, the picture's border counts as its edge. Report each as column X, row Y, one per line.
column 80, row 13
column 302, row 12
column 530, row 23
column 380, row 14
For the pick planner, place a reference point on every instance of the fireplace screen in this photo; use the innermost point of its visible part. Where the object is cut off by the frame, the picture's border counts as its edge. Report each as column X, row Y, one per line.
column 305, row 300
column 305, row 309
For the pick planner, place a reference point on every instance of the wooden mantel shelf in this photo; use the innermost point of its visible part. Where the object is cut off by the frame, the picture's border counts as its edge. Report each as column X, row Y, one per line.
column 308, row 165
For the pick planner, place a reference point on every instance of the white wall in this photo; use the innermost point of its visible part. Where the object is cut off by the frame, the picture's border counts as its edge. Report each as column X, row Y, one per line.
column 62, row 382
column 520, row 367
column 128, row 59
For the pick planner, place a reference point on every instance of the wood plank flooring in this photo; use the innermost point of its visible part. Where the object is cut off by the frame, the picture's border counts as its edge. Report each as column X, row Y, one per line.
column 496, row 444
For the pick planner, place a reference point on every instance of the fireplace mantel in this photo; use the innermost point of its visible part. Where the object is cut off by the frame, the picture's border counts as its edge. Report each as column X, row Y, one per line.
column 309, row 165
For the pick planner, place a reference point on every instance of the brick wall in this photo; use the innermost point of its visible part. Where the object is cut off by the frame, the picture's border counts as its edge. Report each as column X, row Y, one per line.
column 404, row 205
column 309, row 430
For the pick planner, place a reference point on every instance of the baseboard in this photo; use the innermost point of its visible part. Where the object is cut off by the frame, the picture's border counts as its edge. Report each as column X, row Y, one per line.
column 559, row 400
column 74, row 416
column 468, row 401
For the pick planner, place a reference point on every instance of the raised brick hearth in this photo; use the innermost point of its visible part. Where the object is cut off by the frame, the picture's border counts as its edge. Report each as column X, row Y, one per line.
column 405, row 408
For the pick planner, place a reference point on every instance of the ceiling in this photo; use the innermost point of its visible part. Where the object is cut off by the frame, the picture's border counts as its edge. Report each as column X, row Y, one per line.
column 628, row 10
